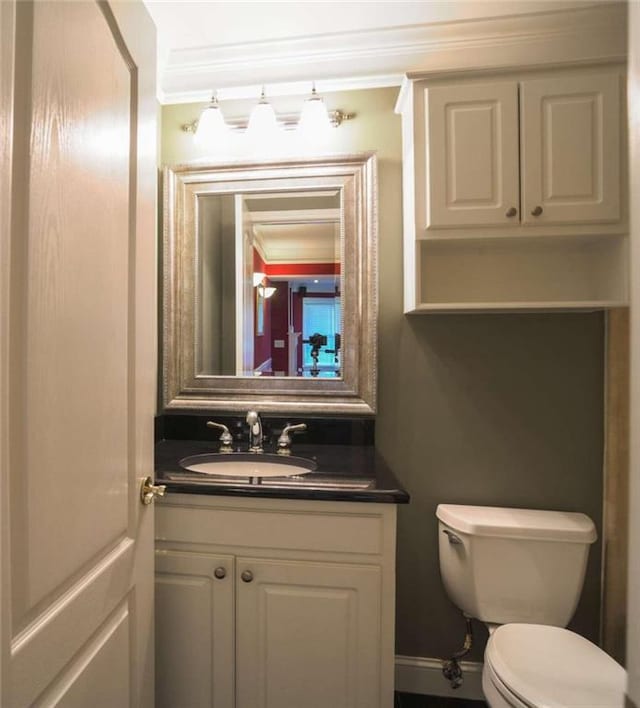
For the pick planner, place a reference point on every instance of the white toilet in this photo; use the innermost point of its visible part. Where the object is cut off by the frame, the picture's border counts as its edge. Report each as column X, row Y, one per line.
column 521, row 572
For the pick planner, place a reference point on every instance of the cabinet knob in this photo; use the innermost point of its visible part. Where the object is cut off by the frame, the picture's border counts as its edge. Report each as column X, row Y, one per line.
column 247, row 576
column 220, row 573
column 512, row 211
column 537, row 211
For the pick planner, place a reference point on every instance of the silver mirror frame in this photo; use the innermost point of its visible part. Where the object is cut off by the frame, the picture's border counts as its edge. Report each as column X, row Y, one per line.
column 182, row 387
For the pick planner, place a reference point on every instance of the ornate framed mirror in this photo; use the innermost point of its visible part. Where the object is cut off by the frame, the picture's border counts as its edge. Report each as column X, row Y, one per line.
column 270, row 286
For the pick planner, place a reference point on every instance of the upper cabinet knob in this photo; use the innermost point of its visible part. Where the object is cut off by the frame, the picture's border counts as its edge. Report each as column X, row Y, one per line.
column 537, row 211
column 512, row 211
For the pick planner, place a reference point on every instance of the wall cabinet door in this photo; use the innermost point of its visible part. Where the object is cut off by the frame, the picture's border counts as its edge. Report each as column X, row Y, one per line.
column 194, row 630
column 472, row 146
column 570, row 165
column 308, row 634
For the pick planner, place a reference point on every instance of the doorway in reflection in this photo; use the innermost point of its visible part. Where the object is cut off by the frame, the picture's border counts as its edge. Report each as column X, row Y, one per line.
column 292, row 242
column 298, row 326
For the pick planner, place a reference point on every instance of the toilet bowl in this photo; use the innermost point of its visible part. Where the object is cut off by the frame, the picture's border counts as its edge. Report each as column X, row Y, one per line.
column 539, row 666
column 521, row 572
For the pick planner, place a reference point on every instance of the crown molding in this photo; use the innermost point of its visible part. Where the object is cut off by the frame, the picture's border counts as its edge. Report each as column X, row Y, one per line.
column 295, row 216
column 376, row 58
column 275, row 88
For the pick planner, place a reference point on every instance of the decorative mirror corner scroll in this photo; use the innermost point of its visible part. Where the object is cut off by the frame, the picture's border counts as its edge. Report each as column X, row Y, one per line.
column 270, row 286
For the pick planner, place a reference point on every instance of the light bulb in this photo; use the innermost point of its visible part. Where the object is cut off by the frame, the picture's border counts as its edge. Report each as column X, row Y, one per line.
column 314, row 119
column 211, row 126
column 262, row 121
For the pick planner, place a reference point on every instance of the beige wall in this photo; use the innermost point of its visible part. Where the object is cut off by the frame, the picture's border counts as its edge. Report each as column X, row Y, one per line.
column 218, row 300
column 483, row 409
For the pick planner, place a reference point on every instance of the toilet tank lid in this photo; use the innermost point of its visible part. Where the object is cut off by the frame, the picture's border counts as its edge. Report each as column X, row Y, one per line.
column 518, row 523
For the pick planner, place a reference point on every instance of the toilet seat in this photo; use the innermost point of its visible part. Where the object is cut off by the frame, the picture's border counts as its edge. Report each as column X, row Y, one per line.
column 538, row 666
column 496, row 693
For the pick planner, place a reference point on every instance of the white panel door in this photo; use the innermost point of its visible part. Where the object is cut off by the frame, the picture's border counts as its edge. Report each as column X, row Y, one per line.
column 307, row 634
column 570, row 127
column 78, row 426
column 472, row 155
column 194, row 630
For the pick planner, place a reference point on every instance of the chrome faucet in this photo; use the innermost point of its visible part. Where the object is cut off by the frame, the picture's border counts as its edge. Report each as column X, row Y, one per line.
column 255, row 432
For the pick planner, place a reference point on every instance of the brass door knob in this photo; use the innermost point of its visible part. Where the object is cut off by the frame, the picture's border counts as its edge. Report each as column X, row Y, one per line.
column 247, row 576
column 149, row 491
column 537, row 211
column 512, row 211
column 220, row 573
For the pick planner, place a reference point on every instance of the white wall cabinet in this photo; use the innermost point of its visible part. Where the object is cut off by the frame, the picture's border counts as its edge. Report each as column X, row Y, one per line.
column 515, row 191
column 274, row 603
column 472, row 153
column 570, row 138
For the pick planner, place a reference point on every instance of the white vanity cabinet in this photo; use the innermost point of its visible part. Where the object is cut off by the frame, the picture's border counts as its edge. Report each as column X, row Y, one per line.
column 515, row 191
column 194, row 629
column 275, row 603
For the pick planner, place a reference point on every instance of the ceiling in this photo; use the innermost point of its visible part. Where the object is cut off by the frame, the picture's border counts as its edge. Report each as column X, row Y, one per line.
column 234, row 47
column 296, row 227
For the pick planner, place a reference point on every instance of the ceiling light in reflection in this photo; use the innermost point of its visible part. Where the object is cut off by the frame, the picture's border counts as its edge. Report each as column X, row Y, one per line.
column 258, row 278
column 266, row 291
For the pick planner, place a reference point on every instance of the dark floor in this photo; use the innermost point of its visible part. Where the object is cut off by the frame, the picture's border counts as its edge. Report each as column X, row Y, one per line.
column 410, row 700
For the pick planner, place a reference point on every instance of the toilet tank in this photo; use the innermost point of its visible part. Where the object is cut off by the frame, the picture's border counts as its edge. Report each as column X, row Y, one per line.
column 514, row 565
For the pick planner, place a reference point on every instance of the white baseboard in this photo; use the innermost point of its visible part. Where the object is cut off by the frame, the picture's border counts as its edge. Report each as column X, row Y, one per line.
column 423, row 675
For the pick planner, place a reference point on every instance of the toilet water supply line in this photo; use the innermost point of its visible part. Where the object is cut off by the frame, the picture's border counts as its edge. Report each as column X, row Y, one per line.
column 450, row 667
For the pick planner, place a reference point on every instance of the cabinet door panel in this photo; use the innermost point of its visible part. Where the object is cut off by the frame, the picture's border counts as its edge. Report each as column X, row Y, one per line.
column 472, row 155
column 571, row 149
column 194, row 631
column 308, row 634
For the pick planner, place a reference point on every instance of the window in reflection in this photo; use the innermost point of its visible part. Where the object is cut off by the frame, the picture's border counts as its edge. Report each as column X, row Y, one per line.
column 321, row 334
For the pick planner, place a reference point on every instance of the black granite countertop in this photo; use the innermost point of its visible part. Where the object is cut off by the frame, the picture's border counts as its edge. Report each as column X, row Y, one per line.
column 344, row 473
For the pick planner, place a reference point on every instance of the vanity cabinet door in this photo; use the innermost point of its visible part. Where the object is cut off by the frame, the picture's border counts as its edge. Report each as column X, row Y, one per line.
column 472, row 155
column 570, row 127
column 194, row 630
column 308, row 634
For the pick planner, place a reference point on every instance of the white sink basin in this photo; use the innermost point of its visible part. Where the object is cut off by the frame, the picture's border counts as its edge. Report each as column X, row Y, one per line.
column 238, row 464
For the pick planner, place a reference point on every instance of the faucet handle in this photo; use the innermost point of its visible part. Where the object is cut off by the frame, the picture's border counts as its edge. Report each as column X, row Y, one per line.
column 284, row 441
column 226, row 439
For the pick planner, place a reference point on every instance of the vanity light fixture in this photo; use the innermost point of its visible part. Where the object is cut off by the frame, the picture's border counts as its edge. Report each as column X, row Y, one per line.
column 212, row 126
column 314, row 118
column 263, row 123
column 258, row 278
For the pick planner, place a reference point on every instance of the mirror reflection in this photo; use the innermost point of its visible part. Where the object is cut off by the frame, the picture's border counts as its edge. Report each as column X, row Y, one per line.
column 269, row 284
